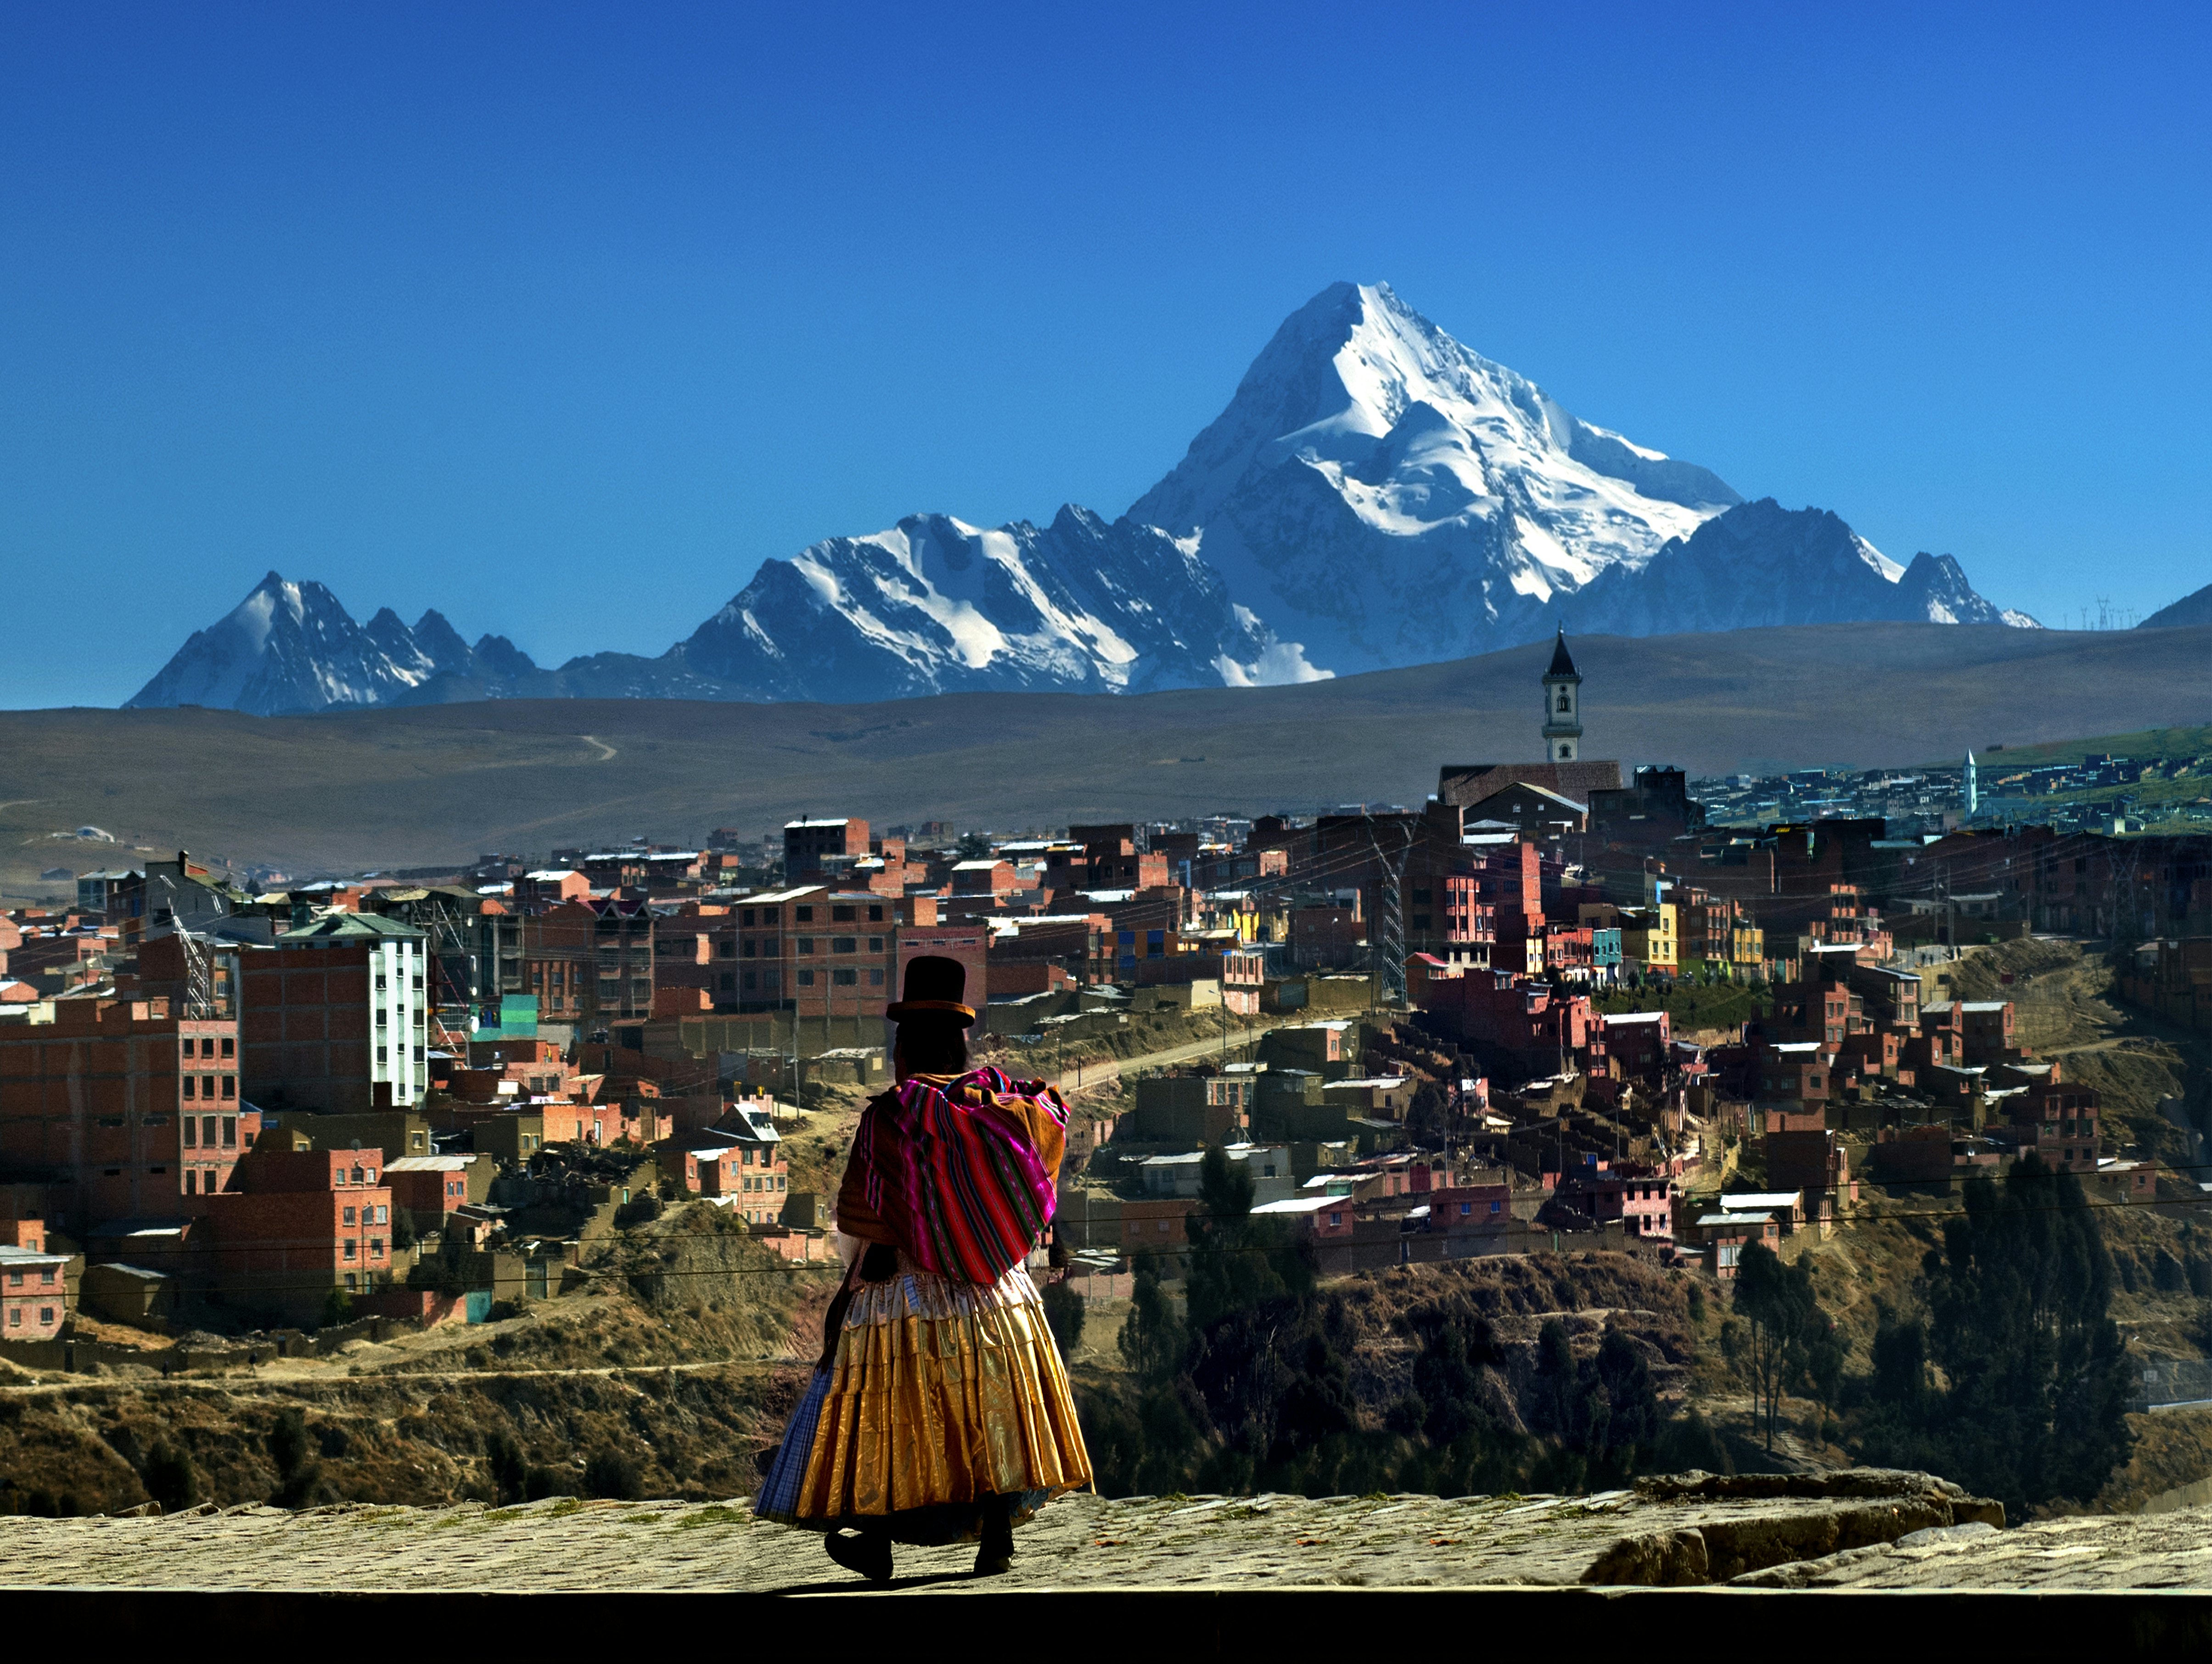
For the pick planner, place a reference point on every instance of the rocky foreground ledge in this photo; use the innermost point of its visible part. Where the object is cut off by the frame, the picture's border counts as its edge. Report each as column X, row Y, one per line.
column 1875, row 1553
column 1862, row 1529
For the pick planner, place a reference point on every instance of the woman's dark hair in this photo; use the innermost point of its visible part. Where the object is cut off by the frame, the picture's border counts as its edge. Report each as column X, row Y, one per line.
column 933, row 1046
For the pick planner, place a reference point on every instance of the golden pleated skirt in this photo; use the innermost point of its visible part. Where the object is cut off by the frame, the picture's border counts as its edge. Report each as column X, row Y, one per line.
column 942, row 1393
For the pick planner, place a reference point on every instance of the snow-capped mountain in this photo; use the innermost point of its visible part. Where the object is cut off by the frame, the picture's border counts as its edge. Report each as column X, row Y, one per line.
column 1374, row 494
column 1382, row 494
column 1762, row 564
column 293, row 647
column 936, row 606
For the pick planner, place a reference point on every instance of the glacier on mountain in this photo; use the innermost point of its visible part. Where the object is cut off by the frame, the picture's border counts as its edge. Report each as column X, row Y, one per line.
column 1374, row 494
column 293, row 647
column 934, row 605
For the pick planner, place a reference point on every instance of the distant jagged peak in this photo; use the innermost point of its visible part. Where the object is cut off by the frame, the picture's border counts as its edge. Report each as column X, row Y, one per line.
column 1356, row 368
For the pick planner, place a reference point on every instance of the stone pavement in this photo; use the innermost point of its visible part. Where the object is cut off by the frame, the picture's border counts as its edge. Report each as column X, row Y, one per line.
column 1863, row 1528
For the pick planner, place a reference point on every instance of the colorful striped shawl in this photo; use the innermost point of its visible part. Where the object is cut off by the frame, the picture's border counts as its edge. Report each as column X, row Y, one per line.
column 957, row 1163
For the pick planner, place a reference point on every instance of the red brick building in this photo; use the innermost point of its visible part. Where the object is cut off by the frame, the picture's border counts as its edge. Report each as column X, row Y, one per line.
column 808, row 845
column 590, row 961
column 335, row 1018
column 296, row 1225
column 431, row 1188
column 119, row 1109
column 34, row 1292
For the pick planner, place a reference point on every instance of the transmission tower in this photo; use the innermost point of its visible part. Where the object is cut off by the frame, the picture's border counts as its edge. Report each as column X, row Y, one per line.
column 1392, row 970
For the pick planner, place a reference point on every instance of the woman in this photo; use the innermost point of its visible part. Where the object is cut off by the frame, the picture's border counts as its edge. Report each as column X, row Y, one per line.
column 939, row 1411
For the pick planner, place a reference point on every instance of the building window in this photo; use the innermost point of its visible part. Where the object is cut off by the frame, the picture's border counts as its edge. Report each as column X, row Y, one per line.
column 207, row 1131
column 752, row 980
column 350, row 1251
column 191, row 1086
column 845, row 979
column 843, row 915
column 230, row 1086
column 805, row 914
column 875, row 978
column 349, row 1216
column 349, row 1276
column 190, row 1124
column 844, row 944
column 376, row 1248
column 185, row 1048
column 806, row 979
column 806, row 948
column 875, row 945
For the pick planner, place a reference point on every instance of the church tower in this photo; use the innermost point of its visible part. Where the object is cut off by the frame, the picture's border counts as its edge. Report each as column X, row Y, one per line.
column 1563, row 701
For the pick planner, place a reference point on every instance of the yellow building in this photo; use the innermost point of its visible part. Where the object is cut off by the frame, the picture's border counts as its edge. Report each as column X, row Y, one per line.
column 1647, row 938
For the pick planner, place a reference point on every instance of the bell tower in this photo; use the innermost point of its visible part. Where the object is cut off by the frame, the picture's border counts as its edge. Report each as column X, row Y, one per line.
column 1563, row 705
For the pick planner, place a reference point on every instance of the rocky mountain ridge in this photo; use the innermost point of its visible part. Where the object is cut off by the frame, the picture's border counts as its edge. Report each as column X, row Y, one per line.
column 1375, row 494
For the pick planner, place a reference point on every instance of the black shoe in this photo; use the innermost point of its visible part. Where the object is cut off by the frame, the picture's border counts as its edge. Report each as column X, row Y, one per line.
column 996, row 1556
column 867, row 1553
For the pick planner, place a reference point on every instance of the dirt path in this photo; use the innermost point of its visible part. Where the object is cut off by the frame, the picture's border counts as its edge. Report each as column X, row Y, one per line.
column 1102, row 1072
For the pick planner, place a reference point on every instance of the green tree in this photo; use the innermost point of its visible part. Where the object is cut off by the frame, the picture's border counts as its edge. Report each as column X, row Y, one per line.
column 1063, row 1314
column 1238, row 1261
column 1790, row 1343
column 2034, row 1403
column 1152, row 1336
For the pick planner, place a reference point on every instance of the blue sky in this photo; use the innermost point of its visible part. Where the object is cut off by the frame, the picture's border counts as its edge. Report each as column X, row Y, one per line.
column 563, row 319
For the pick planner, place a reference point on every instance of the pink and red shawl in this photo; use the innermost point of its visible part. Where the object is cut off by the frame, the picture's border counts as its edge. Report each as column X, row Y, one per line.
column 961, row 1168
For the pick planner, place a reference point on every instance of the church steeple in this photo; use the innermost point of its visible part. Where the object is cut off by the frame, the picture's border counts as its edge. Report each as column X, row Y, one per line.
column 1563, row 699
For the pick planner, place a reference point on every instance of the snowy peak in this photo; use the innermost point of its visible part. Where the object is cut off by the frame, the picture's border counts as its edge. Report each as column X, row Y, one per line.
column 1375, row 494
column 293, row 647
column 1366, row 448
column 936, row 605
column 1357, row 379
column 1760, row 564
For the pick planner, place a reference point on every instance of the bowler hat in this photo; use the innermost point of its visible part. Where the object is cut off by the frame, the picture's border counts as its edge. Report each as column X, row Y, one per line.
column 934, row 987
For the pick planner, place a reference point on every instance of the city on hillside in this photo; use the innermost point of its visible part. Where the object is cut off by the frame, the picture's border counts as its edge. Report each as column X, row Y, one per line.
column 1558, row 1004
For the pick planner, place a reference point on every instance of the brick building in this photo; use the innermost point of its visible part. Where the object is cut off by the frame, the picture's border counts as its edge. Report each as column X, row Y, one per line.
column 296, row 1226
column 808, row 846
column 34, row 1288
column 335, row 1018
column 119, row 1109
column 590, row 962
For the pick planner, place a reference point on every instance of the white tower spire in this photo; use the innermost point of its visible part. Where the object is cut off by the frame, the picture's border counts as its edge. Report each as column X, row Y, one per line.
column 1563, row 703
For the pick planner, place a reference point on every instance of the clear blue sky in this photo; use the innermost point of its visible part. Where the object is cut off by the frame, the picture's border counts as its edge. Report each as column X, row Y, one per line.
column 563, row 319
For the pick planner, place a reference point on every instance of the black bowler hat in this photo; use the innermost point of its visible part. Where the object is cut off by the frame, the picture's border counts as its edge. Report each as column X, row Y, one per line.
column 934, row 987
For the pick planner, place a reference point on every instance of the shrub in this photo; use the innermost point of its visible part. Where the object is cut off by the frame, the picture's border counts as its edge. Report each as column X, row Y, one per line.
column 611, row 1475
column 510, row 1473
column 169, row 1478
column 298, row 1474
column 1063, row 1311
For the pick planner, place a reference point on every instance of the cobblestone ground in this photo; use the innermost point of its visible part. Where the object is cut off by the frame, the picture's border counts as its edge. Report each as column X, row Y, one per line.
column 1886, row 1541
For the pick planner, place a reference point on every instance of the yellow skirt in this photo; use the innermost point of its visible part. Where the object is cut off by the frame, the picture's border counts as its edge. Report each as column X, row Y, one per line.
column 941, row 1393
